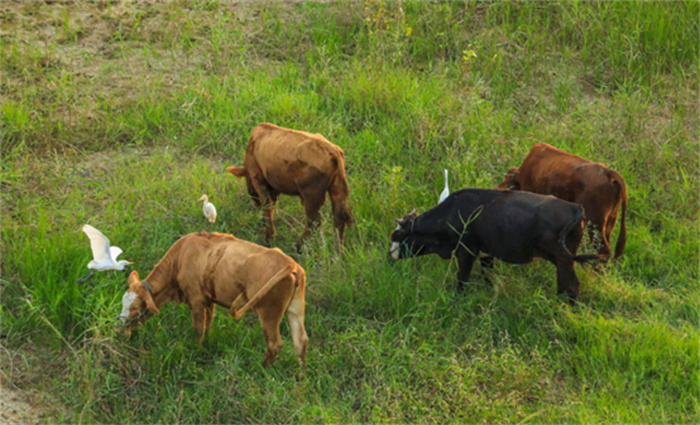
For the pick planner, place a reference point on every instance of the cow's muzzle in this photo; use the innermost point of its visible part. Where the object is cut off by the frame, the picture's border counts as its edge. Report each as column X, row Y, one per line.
column 132, row 322
column 395, row 251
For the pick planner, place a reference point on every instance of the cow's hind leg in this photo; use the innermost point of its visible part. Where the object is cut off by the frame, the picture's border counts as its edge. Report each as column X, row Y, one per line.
column 270, row 309
column 567, row 281
column 486, row 267
column 599, row 236
column 338, row 192
column 610, row 225
column 295, row 317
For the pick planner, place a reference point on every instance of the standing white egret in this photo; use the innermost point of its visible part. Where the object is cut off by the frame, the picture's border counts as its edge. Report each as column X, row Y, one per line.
column 104, row 256
column 209, row 209
column 445, row 192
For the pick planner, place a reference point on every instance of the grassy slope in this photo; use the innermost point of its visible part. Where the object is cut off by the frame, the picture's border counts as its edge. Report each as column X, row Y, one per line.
column 121, row 115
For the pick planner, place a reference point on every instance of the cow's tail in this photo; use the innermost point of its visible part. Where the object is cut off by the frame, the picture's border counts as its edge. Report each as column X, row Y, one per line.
column 583, row 259
column 338, row 190
column 622, row 238
column 274, row 280
column 299, row 280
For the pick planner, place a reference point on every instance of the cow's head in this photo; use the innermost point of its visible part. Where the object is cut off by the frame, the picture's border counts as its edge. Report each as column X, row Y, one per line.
column 137, row 303
column 510, row 182
column 242, row 172
column 401, row 237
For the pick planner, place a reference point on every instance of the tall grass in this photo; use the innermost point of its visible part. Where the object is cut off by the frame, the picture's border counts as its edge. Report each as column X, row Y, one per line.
column 125, row 113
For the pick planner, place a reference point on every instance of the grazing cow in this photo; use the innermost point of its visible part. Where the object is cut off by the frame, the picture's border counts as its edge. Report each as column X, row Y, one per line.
column 512, row 226
column 202, row 270
column 598, row 189
column 280, row 160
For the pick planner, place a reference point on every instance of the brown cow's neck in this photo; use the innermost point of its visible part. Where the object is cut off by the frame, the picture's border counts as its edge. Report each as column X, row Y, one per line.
column 162, row 279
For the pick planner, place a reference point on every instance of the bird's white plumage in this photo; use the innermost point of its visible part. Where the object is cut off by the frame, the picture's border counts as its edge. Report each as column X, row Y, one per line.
column 114, row 252
column 209, row 209
column 446, row 191
column 104, row 255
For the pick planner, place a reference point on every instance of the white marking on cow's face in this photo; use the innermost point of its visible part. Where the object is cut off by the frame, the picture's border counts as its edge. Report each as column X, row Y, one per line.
column 127, row 300
column 394, row 250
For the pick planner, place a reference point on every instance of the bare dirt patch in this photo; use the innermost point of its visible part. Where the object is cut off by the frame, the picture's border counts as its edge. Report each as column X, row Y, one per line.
column 21, row 399
column 15, row 408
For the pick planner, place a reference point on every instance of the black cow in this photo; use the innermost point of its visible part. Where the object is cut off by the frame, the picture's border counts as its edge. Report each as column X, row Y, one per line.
column 509, row 225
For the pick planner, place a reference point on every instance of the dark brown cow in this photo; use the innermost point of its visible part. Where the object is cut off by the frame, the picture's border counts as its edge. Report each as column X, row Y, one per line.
column 598, row 189
column 283, row 161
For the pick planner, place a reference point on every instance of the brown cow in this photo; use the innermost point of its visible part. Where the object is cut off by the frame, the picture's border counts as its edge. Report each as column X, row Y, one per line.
column 598, row 189
column 205, row 269
column 280, row 160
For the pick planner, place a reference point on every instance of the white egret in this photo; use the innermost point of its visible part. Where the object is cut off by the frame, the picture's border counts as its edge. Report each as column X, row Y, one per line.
column 445, row 192
column 104, row 255
column 209, row 209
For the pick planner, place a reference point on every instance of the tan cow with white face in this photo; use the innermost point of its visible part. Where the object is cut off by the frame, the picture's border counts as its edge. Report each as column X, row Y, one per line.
column 203, row 270
column 283, row 161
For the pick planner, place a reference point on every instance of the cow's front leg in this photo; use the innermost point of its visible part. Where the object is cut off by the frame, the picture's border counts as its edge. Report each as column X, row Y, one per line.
column 465, row 260
column 312, row 202
column 198, row 320
column 267, row 198
column 268, row 212
column 209, row 316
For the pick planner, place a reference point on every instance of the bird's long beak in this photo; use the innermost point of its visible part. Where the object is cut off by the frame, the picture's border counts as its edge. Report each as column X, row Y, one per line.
column 129, row 262
column 200, row 199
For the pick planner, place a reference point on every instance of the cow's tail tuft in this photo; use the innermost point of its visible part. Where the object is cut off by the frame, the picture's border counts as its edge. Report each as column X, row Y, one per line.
column 585, row 259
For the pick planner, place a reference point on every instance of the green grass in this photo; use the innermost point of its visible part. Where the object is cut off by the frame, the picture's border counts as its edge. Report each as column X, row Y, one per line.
column 122, row 115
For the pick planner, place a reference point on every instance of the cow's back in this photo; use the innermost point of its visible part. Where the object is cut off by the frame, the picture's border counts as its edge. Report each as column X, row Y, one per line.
column 517, row 211
column 213, row 263
column 512, row 225
column 285, row 156
column 567, row 176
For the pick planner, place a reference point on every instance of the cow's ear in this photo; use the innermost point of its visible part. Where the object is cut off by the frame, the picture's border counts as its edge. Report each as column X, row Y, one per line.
column 134, row 277
column 236, row 171
column 150, row 305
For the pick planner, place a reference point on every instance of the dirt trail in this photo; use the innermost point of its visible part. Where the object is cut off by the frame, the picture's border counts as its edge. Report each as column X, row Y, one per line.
column 14, row 410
